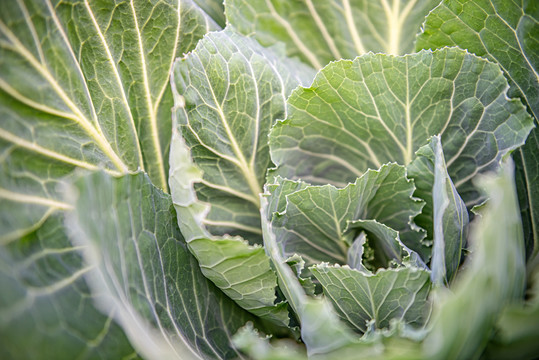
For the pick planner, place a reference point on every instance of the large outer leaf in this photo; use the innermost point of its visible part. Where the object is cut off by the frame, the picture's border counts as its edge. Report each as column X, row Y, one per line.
column 229, row 92
column 506, row 32
column 444, row 216
column 319, row 31
column 527, row 177
column 44, row 300
column 389, row 294
column 83, row 85
column 145, row 275
column 494, row 277
column 378, row 108
column 314, row 220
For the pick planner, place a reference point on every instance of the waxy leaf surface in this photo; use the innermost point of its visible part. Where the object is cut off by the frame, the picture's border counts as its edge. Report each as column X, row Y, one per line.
column 83, row 85
column 145, row 275
column 320, row 31
column 379, row 108
column 315, row 219
column 497, row 253
column 389, row 294
column 445, row 215
column 506, row 32
column 228, row 93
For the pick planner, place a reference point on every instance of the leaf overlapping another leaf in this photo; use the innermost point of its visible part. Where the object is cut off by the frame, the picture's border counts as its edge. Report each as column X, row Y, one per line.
column 379, row 108
column 322, row 31
column 321, row 330
column 505, row 32
column 145, row 275
column 45, row 303
column 229, row 91
column 360, row 298
column 444, row 215
column 494, row 278
column 314, row 220
column 73, row 97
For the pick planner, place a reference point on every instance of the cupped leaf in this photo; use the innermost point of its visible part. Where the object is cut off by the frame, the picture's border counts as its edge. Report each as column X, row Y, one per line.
column 379, row 108
column 145, row 275
column 386, row 248
column 354, row 258
column 44, row 300
column 228, row 93
column 494, row 277
column 445, row 216
column 321, row 31
column 315, row 219
column 83, row 85
column 360, row 298
column 321, row 330
column 507, row 33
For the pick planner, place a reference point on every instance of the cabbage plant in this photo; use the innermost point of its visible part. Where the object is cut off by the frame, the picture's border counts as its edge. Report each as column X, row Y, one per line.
column 269, row 179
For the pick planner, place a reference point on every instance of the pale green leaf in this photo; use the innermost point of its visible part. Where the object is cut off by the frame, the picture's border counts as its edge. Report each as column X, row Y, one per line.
column 319, row 31
column 83, row 85
column 253, row 289
column 228, row 93
column 354, row 257
column 214, row 8
column 250, row 342
column 389, row 294
column 445, row 216
column 44, row 300
column 379, row 108
column 493, row 278
column 527, row 178
column 518, row 326
column 315, row 220
column 384, row 244
column 145, row 275
column 321, row 330
column 507, row 32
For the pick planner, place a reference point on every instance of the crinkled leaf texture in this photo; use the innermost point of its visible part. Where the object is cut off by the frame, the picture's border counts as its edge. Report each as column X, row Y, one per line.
column 228, row 93
column 321, row 329
column 378, row 108
column 83, row 85
column 321, row 31
column 143, row 273
column 313, row 220
column 362, row 298
column 505, row 32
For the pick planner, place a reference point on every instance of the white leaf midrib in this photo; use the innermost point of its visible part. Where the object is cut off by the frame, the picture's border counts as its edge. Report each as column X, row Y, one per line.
column 294, row 36
column 246, row 169
column 148, row 96
column 83, row 122
column 118, row 79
